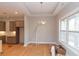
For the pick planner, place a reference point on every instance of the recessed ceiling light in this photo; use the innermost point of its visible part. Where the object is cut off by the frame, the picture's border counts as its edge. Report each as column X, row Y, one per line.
column 43, row 22
column 16, row 12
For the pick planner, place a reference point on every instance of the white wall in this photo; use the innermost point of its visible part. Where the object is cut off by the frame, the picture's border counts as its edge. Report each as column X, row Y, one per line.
column 44, row 33
column 64, row 13
column 26, row 30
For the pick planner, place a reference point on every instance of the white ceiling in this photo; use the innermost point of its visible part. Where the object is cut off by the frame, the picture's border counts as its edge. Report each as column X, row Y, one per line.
column 38, row 8
column 9, row 9
column 31, row 8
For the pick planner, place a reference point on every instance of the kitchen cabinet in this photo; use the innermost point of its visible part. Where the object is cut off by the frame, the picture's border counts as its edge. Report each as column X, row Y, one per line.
column 11, row 39
column 3, row 38
column 2, row 26
column 19, row 23
column 12, row 26
column 1, row 50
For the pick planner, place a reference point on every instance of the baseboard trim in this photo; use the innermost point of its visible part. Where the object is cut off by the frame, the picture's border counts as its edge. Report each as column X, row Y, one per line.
column 43, row 42
column 39, row 43
column 26, row 44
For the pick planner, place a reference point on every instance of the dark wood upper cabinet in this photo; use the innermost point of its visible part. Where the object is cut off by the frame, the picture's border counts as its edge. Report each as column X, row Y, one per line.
column 12, row 26
column 2, row 26
column 19, row 23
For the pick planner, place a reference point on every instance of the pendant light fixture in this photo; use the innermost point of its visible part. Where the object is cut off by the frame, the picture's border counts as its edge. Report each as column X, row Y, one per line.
column 42, row 21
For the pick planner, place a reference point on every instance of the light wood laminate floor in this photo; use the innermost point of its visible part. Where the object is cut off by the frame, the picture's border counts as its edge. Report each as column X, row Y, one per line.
column 30, row 50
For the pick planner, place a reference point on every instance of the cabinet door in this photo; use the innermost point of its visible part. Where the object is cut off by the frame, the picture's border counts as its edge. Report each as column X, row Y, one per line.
column 3, row 38
column 19, row 23
column 2, row 26
column 11, row 39
column 12, row 26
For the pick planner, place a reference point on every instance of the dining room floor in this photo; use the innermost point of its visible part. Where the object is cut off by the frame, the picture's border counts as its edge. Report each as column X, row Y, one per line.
column 29, row 50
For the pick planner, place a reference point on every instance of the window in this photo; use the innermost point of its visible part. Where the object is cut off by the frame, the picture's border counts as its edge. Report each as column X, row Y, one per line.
column 63, row 26
column 77, row 23
column 71, row 38
column 71, row 23
column 69, row 31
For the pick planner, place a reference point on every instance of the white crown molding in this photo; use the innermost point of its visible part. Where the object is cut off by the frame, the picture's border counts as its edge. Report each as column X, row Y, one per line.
column 29, row 13
column 41, row 14
column 55, row 7
column 70, row 13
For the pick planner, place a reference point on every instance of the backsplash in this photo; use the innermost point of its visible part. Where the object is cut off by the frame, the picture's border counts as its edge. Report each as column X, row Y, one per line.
column 9, row 33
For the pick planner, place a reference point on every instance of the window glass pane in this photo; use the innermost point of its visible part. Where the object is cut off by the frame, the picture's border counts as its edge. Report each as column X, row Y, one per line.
column 71, row 24
column 76, row 39
column 77, row 23
column 63, row 36
column 63, row 24
column 74, row 23
column 71, row 39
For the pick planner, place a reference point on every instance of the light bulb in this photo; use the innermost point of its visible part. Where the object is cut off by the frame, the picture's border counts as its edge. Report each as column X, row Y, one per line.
column 14, row 32
column 16, row 12
column 43, row 22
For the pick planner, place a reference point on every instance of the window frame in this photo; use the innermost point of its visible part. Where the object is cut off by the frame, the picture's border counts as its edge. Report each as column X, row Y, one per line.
column 67, row 31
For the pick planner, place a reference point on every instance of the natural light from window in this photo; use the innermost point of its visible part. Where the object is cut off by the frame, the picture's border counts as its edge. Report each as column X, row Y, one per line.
column 69, row 31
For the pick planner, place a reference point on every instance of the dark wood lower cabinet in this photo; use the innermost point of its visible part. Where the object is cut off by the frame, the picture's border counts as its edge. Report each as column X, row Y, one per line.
column 11, row 39
column 14, row 39
column 3, row 38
